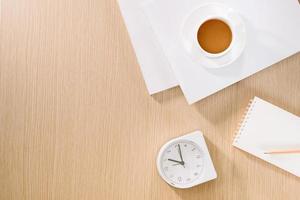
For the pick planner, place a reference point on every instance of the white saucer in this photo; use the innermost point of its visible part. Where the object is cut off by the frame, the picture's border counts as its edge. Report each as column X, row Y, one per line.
column 199, row 16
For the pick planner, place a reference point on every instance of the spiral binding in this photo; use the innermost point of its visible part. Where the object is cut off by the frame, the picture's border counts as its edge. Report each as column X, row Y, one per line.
column 244, row 120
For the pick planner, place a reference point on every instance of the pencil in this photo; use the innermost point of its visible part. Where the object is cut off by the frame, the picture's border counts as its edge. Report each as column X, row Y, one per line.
column 289, row 151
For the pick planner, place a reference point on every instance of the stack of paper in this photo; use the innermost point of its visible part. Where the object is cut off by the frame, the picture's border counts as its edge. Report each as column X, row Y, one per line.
column 155, row 27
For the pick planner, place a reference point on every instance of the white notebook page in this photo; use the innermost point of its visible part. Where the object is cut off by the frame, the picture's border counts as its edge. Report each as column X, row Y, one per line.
column 266, row 127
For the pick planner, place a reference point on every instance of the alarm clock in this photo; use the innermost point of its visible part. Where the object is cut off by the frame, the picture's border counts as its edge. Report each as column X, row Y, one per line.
column 185, row 162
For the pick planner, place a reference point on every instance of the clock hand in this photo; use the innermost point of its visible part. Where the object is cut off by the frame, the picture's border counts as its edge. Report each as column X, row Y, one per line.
column 180, row 162
column 180, row 154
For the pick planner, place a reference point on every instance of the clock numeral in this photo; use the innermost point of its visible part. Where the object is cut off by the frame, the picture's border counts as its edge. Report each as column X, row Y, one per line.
column 193, row 149
column 169, row 151
column 195, row 174
column 198, row 156
column 198, row 166
column 185, row 145
column 179, row 179
column 188, row 179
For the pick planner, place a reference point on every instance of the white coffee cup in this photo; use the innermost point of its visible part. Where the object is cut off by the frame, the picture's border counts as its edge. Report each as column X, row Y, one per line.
column 196, row 19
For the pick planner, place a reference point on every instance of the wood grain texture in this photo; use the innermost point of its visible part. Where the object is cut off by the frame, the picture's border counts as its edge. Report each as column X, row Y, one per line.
column 76, row 121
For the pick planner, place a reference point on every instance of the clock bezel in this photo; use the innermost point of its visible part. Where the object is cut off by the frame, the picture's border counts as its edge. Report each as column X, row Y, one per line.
column 160, row 168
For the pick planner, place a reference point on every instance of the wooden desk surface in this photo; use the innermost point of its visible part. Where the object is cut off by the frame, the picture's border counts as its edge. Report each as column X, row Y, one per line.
column 76, row 121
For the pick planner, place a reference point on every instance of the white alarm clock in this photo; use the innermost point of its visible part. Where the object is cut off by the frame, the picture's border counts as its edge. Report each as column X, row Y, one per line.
column 185, row 162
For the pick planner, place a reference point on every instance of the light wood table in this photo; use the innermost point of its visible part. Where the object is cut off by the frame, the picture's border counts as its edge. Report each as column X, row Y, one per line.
column 76, row 121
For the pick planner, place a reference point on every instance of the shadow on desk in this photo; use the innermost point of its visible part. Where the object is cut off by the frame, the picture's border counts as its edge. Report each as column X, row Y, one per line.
column 168, row 95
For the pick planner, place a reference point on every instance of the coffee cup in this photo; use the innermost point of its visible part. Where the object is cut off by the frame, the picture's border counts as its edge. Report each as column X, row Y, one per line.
column 213, row 35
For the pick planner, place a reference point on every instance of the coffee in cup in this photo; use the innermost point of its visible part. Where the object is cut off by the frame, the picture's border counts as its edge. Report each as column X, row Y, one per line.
column 214, row 36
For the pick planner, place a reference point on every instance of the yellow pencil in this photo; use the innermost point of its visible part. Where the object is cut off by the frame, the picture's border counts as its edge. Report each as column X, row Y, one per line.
column 289, row 151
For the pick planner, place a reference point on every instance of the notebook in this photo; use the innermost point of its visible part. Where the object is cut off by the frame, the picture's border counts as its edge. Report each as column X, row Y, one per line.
column 266, row 127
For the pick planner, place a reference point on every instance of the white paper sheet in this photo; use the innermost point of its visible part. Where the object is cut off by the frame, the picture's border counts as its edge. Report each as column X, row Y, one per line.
column 156, row 70
column 273, row 29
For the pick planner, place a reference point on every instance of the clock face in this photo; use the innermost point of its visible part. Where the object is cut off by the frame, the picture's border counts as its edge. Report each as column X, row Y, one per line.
column 182, row 163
